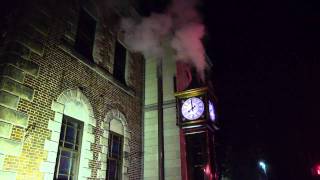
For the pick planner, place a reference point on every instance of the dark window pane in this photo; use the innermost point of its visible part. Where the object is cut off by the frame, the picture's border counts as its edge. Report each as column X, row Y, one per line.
column 66, row 154
column 70, row 134
column 61, row 177
column 114, row 157
column 120, row 56
column 62, row 132
column 112, row 169
column 115, row 149
column 65, row 165
column 85, row 35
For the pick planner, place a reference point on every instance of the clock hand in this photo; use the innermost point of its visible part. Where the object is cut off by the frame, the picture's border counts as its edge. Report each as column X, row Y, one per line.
column 191, row 104
column 192, row 107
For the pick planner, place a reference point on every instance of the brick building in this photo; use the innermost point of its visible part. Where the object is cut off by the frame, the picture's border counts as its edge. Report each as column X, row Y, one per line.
column 70, row 92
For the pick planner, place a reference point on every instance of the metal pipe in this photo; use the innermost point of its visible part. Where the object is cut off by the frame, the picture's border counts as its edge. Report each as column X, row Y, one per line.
column 160, row 121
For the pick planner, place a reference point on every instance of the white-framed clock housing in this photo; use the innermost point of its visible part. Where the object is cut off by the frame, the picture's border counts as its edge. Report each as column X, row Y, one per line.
column 195, row 107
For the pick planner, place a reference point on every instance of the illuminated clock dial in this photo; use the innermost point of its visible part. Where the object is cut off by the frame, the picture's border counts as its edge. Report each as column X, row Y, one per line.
column 192, row 108
column 211, row 111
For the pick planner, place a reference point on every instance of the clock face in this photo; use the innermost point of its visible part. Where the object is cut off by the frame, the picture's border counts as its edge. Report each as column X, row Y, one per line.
column 192, row 108
column 211, row 111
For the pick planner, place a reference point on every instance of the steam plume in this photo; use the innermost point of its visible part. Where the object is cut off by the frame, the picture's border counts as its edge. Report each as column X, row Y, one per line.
column 180, row 27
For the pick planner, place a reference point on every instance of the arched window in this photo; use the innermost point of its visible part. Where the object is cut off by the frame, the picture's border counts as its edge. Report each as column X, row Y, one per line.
column 68, row 147
column 115, row 145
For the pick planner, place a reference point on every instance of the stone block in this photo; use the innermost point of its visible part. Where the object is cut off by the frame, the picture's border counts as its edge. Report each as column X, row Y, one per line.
column 103, row 141
column 10, row 147
column 52, row 156
column 55, row 136
column 58, row 117
column 16, row 88
column 16, row 60
column 8, row 175
column 9, row 100
column 17, row 48
column 85, row 163
column 57, row 107
column 12, row 72
column 104, row 149
column 39, row 21
column 48, row 176
column 14, row 117
column 5, row 129
column 50, row 146
column 126, row 148
column 90, row 138
column 88, row 154
column 54, row 126
column 40, row 26
column 86, row 172
column 102, row 157
column 103, row 166
column 47, row 167
column 86, row 145
column 101, row 173
column 90, row 129
column 33, row 44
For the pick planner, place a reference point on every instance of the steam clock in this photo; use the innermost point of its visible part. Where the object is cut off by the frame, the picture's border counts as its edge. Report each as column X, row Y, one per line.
column 196, row 119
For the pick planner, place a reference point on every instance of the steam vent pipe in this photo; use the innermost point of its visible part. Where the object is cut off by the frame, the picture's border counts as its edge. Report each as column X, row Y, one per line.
column 160, row 120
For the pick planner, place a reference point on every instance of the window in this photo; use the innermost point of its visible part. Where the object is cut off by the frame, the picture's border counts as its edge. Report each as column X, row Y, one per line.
column 120, row 55
column 67, row 162
column 114, row 157
column 85, row 35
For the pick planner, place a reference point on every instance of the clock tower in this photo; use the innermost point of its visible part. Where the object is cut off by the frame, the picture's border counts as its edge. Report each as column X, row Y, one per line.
column 196, row 120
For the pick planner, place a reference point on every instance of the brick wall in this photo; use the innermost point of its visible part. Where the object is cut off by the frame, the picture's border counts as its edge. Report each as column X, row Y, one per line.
column 38, row 64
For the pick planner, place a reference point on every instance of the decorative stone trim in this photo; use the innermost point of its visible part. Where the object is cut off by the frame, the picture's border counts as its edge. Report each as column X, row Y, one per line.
column 114, row 115
column 9, row 100
column 72, row 103
column 14, row 117
column 10, row 147
column 16, row 88
column 12, row 72
column 18, row 61
column 5, row 129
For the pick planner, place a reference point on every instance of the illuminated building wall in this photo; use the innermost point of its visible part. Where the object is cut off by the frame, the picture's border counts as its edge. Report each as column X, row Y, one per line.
column 172, row 164
column 46, row 73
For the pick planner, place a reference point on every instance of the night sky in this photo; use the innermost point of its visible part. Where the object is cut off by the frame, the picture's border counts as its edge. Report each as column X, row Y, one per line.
column 266, row 69
column 266, row 73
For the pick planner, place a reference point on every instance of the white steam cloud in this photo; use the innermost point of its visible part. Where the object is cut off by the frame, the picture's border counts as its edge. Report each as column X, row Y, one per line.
column 179, row 28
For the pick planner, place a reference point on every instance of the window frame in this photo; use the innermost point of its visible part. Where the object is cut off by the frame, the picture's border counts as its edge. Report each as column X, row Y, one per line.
column 78, row 135
column 120, row 157
column 115, row 74
column 83, row 10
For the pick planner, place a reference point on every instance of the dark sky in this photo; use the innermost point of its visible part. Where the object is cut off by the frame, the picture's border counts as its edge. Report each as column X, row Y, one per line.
column 266, row 71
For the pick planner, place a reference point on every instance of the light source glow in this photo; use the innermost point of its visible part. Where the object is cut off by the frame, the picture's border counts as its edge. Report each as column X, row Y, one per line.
column 263, row 166
column 316, row 170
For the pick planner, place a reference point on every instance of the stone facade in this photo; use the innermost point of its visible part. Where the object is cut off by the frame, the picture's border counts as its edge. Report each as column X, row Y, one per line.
column 172, row 160
column 42, row 78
